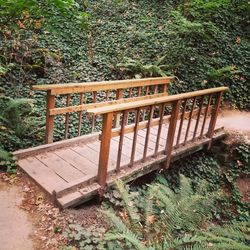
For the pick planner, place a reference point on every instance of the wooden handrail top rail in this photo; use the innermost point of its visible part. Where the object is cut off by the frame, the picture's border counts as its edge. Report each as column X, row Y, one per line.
column 153, row 101
column 70, row 88
column 77, row 108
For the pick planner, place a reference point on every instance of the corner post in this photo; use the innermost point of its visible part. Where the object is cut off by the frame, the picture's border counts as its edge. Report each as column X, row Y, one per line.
column 104, row 149
column 49, row 118
column 171, row 130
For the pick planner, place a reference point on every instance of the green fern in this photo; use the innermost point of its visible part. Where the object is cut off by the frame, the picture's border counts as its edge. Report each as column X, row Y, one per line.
column 18, row 123
column 137, row 67
column 170, row 220
column 4, row 155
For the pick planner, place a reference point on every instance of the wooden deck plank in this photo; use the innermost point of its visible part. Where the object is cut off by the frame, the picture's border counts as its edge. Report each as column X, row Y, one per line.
column 40, row 173
column 114, row 152
column 87, row 153
column 127, row 148
column 78, row 161
column 140, row 142
column 112, row 159
column 60, row 166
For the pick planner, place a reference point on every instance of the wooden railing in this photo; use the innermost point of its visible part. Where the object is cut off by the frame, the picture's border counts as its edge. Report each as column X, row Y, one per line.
column 94, row 95
column 193, row 108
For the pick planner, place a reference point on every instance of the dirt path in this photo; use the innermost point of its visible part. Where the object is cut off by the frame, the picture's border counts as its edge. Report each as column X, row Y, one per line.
column 236, row 121
column 30, row 221
column 15, row 225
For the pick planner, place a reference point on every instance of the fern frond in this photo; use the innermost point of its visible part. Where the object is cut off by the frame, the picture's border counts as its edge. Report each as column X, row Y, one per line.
column 116, row 221
column 128, row 203
column 4, row 155
column 185, row 189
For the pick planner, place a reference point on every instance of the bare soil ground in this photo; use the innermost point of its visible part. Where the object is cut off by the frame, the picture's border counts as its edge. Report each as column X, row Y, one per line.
column 29, row 221
column 236, row 121
column 16, row 225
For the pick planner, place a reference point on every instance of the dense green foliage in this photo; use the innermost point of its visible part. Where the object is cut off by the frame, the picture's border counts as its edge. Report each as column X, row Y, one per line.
column 203, row 43
column 157, row 217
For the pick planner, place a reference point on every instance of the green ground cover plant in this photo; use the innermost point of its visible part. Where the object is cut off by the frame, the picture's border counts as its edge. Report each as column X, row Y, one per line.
column 203, row 43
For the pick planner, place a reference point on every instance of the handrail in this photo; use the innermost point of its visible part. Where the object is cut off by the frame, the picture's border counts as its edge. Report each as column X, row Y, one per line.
column 77, row 108
column 120, row 91
column 199, row 104
column 70, row 88
column 152, row 101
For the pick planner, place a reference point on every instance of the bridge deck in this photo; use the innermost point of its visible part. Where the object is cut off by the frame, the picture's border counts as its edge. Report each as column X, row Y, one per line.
column 69, row 173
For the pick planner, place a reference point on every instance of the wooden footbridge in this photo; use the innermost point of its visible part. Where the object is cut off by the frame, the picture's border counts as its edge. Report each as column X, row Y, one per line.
column 135, row 127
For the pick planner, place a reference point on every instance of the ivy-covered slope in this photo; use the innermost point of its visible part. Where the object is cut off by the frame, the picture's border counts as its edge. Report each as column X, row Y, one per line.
column 203, row 43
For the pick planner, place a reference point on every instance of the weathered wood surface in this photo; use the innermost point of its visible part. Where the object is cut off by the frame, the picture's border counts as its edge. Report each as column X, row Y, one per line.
column 71, row 173
column 140, row 126
column 124, row 91
column 105, row 85
column 154, row 101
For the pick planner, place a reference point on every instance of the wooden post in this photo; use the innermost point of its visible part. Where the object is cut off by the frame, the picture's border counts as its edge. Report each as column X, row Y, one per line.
column 93, row 117
column 181, row 122
column 151, row 112
column 165, row 88
column 104, row 149
column 80, row 116
column 119, row 95
column 213, row 119
column 137, row 120
column 67, row 118
column 205, row 115
column 198, row 117
column 124, row 120
column 159, row 129
column 171, row 130
column 49, row 118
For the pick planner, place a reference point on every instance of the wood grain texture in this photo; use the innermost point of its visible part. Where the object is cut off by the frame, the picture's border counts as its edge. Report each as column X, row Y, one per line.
column 104, row 149
column 154, row 101
column 68, row 88
column 49, row 118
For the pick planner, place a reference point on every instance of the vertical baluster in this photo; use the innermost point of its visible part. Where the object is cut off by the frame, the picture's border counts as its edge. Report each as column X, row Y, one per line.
column 107, row 95
column 130, row 92
column 171, row 130
column 144, row 110
column 151, row 111
column 49, row 118
column 93, row 117
column 139, row 91
column 129, row 96
column 67, row 118
column 205, row 115
column 181, row 122
column 190, row 119
column 155, row 89
column 198, row 117
column 137, row 120
column 159, row 129
column 124, row 120
column 104, row 149
column 80, row 116
column 165, row 88
column 214, row 117
column 119, row 95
